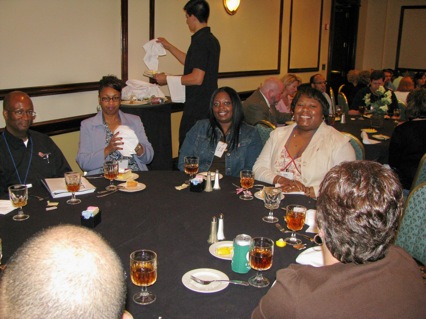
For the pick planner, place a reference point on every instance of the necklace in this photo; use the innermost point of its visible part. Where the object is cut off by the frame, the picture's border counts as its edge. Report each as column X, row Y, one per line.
column 13, row 160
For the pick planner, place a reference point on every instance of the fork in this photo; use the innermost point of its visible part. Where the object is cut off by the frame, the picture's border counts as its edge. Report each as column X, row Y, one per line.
column 206, row 282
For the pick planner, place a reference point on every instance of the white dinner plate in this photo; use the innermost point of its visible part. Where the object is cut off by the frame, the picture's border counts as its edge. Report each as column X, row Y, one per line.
column 206, row 274
column 138, row 188
column 133, row 176
column 214, row 247
column 312, row 256
column 212, row 176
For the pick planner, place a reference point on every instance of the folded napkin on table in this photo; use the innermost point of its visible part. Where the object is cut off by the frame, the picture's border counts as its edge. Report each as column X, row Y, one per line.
column 141, row 90
column 177, row 90
column 312, row 256
column 153, row 50
column 366, row 140
column 130, row 140
column 310, row 221
column 6, row 207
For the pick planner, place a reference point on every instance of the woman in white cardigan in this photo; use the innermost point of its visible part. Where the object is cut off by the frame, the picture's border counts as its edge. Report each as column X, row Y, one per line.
column 298, row 156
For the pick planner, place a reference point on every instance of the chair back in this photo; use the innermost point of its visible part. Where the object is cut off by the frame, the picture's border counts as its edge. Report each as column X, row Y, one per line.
column 343, row 102
column 333, row 100
column 264, row 128
column 402, row 110
column 340, row 88
column 420, row 176
column 357, row 146
column 412, row 231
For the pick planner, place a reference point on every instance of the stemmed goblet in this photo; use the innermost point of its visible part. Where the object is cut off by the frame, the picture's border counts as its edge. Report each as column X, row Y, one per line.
column 111, row 173
column 295, row 218
column 18, row 195
column 272, row 197
column 260, row 259
column 191, row 165
column 247, row 182
column 73, row 180
column 143, row 272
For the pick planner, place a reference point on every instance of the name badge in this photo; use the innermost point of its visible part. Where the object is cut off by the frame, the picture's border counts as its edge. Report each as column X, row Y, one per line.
column 220, row 149
column 288, row 175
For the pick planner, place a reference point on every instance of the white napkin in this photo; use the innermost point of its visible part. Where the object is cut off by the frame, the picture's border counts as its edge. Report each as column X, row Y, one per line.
column 366, row 140
column 141, row 90
column 6, row 207
column 312, row 256
column 153, row 50
column 177, row 90
column 130, row 140
column 310, row 221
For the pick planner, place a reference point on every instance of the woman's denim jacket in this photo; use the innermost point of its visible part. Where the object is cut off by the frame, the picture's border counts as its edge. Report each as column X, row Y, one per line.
column 197, row 143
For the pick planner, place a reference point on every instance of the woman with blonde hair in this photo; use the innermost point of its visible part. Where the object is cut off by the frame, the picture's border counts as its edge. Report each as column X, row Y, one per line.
column 406, row 85
column 291, row 82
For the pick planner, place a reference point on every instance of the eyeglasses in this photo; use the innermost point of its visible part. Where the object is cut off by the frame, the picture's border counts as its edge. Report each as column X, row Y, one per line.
column 324, row 82
column 20, row 113
column 106, row 99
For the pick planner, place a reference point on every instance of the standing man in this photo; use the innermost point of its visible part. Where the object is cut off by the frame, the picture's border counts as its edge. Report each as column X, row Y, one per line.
column 26, row 156
column 318, row 82
column 201, row 65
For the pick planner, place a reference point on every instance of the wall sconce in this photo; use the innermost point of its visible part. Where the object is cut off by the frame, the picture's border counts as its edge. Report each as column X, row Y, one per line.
column 231, row 6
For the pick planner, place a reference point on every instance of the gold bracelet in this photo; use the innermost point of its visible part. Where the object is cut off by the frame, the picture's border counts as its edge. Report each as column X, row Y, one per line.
column 138, row 147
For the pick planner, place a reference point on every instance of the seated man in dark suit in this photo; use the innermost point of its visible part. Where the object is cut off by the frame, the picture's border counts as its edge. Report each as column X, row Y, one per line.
column 261, row 104
column 26, row 156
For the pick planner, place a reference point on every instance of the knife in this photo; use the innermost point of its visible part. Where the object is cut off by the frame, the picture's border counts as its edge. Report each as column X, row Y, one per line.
column 283, row 230
column 112, row 192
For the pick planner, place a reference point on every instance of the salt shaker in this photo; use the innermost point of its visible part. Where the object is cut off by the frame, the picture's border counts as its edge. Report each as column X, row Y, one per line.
column 213, row 231
column 343, row 118
column 208, row 187
column 220, row 233
column 216, row 180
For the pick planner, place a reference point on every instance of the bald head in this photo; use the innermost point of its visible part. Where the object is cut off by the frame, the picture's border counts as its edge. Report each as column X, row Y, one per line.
column 272, row 89
column 14, row 98
column 18, row 113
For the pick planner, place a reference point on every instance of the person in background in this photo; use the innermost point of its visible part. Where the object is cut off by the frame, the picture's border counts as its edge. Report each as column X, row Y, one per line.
column 408, row 143
column 26, row 156
column 223, row 141
column 388, row 79
column 261, row 105
column 63, row 272
column 420, row 80
column 318, row 82
column 291, row 82
column 99, row 140
column 406, row 85
column 377, row 79
column 299, row 155
column 364, row 275
column 353, row 86
column 201, row 65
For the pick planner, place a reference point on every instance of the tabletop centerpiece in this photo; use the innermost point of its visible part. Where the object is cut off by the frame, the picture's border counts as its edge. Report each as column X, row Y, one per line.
column 379, row 108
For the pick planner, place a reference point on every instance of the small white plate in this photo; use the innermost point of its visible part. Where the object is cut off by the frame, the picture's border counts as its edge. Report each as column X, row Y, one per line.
column 259, row 194
column 206, row 274
column 381, row 137
column 133, row 176
column 214, row 247
column 134, row 102
column 312, row 256
column 139, row 187
column 212, row 176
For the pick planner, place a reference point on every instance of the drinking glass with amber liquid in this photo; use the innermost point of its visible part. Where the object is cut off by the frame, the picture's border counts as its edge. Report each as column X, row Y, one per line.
column 111, row 173
column 143, row 272
column 247, row 182
column 73, row 181
column 191, row 165
column 260, row 259
column 295, row 219
column 18, row 195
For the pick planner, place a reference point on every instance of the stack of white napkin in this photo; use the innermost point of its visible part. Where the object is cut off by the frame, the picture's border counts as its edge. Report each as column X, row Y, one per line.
column 177, row 90
column 366, row 140
column 153, row 50
column 141, row 90
column 310, row 221
column 130, row 140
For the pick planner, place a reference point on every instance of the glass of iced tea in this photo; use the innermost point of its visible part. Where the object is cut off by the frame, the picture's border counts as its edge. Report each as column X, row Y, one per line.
column 111, row 173
column 143, row 272
column 73, row 180
column 18, row 195
column 295, row 218
column 260, row 259
column 247, row 182
column 191, row 164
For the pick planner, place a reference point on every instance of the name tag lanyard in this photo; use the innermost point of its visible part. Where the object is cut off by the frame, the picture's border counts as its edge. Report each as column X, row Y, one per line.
column 13, row 160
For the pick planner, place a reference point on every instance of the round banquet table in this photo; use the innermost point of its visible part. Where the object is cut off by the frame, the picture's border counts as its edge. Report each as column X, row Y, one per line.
column 175, row 224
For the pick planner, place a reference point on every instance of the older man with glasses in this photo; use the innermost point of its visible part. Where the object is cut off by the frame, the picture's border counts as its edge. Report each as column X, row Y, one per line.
column 26, row 156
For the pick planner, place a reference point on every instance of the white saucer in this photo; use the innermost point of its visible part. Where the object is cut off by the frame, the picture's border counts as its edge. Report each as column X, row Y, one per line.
column 212, row 176
column 206, row 274
column 133, row 176
column 213, row 249
column 259, row 194
column 139, row 187
column 312, row 256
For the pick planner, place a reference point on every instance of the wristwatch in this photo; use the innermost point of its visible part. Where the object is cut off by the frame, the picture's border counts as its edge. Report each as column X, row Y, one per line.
column 138, row 147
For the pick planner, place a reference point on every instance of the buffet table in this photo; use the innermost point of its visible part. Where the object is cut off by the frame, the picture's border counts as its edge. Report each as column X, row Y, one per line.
column 175, row 224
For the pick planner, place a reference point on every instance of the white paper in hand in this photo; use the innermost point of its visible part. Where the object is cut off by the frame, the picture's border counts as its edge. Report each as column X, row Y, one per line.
column 130, row 140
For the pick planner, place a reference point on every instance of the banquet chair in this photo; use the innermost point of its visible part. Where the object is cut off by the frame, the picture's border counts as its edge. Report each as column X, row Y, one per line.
column 340, row 88
column 264, row 128
column 412, row 231
column 402, row 110
column 420, row 176
column 357, row 145
column 333, row 100
column 343, row 102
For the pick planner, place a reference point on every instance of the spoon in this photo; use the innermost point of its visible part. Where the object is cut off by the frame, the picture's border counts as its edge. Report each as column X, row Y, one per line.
column 206, row 282
column 110, row 192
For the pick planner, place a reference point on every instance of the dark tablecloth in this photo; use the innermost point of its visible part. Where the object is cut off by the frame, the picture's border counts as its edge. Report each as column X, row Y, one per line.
column 175, row 224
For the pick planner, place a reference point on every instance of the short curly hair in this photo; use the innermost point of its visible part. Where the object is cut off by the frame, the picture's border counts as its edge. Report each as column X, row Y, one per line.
column 358, row 209
column 110, row 81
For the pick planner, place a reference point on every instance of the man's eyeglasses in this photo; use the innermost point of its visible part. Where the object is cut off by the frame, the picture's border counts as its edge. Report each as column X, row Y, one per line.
column 106, row 99
column 324, row 82
column 20, row 113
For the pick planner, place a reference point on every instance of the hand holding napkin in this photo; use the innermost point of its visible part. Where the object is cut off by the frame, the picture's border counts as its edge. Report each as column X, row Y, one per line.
column 366, row 140
column 130, row 140
column 153, row 50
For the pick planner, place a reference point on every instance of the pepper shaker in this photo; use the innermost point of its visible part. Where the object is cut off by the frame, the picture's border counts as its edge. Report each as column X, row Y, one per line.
column 220, row 233
column 208, row 187
column 216, row 180
column 213, row 231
